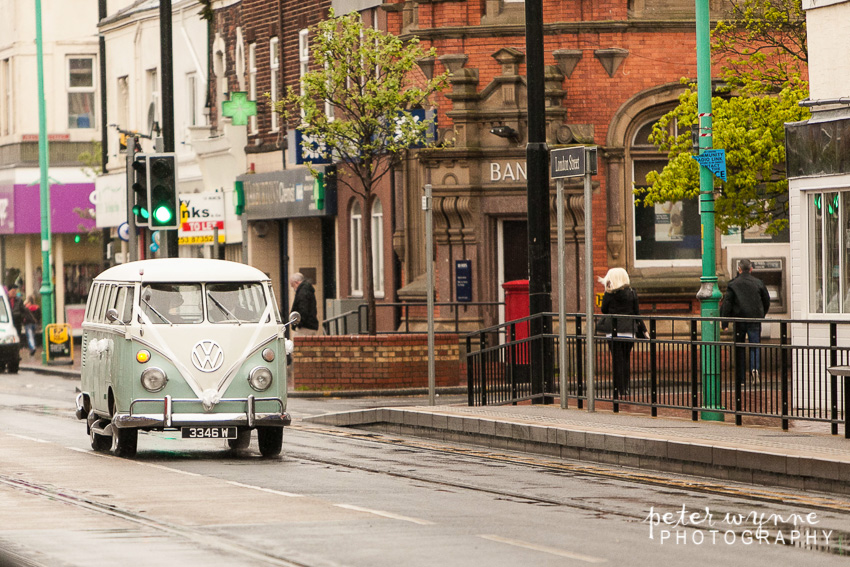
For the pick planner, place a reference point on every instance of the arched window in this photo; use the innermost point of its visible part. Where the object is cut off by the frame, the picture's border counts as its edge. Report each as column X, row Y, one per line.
column 665, row 234
column 356, row 240
column 378, row 247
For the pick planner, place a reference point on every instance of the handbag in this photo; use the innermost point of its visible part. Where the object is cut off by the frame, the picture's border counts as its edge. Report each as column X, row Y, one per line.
column 641, row 331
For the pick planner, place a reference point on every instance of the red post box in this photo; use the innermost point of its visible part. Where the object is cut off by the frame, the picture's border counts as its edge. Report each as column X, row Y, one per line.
column 516, row 305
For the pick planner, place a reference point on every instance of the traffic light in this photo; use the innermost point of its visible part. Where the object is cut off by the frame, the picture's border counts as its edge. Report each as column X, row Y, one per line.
column 140, row 190
column 162, row 191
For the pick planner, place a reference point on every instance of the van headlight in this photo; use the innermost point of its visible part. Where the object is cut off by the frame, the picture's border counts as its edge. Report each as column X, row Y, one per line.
column 9, row 339
column 154, row 379
column 260, row 378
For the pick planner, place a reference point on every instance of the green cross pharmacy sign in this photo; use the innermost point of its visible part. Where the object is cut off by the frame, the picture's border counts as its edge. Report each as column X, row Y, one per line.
column 239, row 108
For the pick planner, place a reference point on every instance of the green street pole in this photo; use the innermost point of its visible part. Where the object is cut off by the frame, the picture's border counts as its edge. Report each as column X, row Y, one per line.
column 46, row 290
column 709, row 294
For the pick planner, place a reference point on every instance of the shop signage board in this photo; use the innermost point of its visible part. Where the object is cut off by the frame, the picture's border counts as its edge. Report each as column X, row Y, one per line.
column 290, row 193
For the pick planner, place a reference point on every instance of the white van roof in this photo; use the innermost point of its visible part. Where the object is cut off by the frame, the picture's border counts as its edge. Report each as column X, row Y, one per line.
column 182, row 270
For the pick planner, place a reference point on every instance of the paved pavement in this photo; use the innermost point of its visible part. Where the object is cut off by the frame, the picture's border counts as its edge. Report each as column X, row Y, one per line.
column 805, row 457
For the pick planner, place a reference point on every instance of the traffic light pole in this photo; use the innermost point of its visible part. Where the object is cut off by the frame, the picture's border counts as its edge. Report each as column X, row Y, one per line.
column 709, row 294
column 46, row 291
column 167, row 89
column 132, row 239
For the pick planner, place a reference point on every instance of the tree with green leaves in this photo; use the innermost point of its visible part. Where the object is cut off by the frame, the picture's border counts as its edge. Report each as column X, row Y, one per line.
column 762, row 48
column 356, row 102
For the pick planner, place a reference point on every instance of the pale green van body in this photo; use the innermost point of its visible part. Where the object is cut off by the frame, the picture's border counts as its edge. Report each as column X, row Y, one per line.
column 206, row 352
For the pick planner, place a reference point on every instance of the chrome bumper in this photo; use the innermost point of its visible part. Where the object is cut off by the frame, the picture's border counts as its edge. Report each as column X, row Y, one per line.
column 248, row 418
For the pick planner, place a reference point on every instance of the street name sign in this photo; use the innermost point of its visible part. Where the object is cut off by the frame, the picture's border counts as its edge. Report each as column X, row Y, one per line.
column 567, row 162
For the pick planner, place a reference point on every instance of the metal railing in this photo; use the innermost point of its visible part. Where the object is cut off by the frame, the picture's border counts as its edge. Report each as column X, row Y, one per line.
column 675, row 369
column 354, row 321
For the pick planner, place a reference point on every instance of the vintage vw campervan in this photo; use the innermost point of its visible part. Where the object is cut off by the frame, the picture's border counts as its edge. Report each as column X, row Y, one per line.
column 183, row 344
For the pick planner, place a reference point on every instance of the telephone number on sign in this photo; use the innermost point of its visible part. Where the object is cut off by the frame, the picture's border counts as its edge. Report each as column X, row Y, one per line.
column 199, row 239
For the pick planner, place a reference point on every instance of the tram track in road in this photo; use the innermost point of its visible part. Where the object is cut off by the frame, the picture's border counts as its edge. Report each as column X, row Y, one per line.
column 821, row 502
column 195, row 536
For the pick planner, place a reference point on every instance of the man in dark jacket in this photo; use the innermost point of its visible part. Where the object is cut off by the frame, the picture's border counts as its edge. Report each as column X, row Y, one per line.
column 305, row 304
column 746, row 297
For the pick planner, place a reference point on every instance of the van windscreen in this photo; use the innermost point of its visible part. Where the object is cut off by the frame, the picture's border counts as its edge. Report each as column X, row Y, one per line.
column 166, row 304
column 235, row 302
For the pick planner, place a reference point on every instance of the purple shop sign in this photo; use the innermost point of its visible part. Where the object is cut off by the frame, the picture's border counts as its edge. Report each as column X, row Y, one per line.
column 71, row 209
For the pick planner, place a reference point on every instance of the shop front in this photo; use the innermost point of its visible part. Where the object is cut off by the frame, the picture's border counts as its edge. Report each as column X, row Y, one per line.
column 289, row 225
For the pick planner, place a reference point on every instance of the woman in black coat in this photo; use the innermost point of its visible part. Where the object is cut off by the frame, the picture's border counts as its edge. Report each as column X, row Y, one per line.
column 620, row 299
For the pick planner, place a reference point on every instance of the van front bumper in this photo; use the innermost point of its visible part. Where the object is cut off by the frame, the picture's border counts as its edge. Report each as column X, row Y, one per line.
column 168, row 418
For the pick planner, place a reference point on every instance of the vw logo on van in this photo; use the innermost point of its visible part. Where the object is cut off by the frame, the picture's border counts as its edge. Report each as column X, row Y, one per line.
column 207, row 356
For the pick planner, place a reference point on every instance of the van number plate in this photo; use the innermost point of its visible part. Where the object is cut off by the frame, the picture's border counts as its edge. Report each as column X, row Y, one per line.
column 208, row 432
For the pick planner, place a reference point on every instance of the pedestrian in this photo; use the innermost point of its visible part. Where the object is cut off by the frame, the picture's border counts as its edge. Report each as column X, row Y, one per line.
column 305, row 304
column 620, row 299
column 746, row 297
column 32, row 320
column 16, row 303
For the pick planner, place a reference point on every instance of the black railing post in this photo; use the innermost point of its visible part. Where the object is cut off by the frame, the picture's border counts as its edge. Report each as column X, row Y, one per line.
column 783, row 372
column 579, row 363
column 694, row 371
column 512, row 361
column 833, row 379
column 615, row 393
column 847, row 406
column 653, row 368
column 483, row 372
column 470, row 373
column 740, row 374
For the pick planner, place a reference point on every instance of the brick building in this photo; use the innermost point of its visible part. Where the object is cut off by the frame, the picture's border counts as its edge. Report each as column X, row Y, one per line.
column 261, row 47
column 613, row 68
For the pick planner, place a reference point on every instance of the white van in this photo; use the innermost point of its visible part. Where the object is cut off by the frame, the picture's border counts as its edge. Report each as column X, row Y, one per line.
column 183, row 344
column 10, row 342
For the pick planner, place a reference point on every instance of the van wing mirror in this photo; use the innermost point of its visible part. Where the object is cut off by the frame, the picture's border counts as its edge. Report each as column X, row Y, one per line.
column 294, row 318
column 112, row 316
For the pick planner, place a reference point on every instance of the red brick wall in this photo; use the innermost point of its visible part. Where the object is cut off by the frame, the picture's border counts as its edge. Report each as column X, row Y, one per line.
column 360, row 362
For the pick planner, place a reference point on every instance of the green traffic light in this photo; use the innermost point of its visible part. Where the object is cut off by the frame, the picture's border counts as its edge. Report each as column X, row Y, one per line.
column 163, row 215
column 76, row 238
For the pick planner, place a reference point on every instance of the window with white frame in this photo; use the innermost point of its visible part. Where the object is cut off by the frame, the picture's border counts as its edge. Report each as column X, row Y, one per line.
column 81, row 87
column 303, row 58
column 356, row 243
column 122, row 105
column 192, row 98
column 378, row 247
column 6, row 122
column 829, row 273
column 252, row 83
column 152, row 94
column 274, row 69
column 665, row 233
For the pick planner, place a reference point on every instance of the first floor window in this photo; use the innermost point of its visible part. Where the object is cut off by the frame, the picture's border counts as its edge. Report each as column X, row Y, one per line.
column 829, row 239
column 378, row 247
column 356, row 236
column 81, row 92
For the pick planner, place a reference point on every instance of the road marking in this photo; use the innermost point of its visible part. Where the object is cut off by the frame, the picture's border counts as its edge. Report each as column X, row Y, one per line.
column 269, row 490
column 385, row 514
column 27, row 438
column 544, row 549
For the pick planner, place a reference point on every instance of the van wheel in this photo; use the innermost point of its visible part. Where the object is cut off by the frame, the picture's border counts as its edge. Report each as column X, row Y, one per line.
column 2, row 366
column 270, row 440
column 99, row 442
column 124, row 442
column 12, row 367
column 243, row 439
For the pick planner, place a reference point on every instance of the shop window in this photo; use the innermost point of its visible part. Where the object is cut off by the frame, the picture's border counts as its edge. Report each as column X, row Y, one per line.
column 81, row 92
column 829, row 276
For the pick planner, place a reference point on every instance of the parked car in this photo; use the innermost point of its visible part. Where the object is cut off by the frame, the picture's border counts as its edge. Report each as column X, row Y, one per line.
column 183, row 344
column 10, row 342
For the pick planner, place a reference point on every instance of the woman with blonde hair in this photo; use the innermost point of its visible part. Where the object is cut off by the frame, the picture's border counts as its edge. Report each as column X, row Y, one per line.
column 620, row 299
